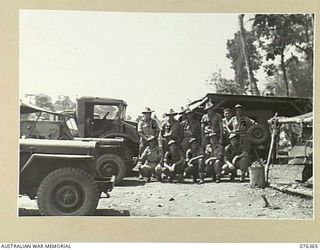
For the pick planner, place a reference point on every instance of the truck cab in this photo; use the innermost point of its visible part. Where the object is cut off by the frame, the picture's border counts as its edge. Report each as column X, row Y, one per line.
column 106, row 118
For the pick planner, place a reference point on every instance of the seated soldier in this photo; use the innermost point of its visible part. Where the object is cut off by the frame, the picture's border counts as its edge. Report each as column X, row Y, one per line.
column 237, row 156
column 214, row 161
column 194, row 160
column 150, row 158
column 173, row 163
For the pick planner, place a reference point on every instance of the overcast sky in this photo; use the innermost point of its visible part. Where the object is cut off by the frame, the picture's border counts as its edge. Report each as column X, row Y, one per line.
column 159, row 60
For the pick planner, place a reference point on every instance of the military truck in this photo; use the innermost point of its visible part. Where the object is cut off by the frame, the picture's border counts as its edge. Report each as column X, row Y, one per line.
column 61, row 175
column 98, row 118
column 106, row 118
column 114, row 157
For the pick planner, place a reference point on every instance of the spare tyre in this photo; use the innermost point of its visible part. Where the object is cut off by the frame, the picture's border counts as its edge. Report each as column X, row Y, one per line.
column 111, row 164
column 258, row 134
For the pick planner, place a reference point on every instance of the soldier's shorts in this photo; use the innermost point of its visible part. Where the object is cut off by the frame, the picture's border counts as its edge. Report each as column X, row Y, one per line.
column 194, row 169
column 214, row 167
column 147, row 169
column 179, row 169
column 242, row 164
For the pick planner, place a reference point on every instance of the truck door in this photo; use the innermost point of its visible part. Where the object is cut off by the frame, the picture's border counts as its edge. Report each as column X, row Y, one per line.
column 106, row 118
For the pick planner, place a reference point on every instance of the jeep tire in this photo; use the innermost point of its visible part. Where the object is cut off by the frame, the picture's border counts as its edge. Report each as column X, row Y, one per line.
column 258, row 134
column 68, row 192
column 111, row 164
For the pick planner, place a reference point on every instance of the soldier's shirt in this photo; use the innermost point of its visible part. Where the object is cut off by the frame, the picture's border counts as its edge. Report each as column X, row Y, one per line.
column 171, row 158
column 212, row 124
column 225, row 122
column 173, row 128
column 215, row 151
column 148, row 128
column 191, row 129
column 230, row 152
column 152, row 155
column 193, row 153
column 240, row 124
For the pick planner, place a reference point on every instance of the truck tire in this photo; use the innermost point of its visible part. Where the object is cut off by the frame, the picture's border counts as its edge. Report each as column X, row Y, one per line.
column 111, row 164
column 258, row 134
column 68, row 192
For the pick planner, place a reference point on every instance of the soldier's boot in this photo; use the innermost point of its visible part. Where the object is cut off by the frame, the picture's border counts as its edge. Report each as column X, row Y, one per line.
column 180, row 178
column 242, row 177
column 201, row 176
column 163, row 177
column 214, row 178
column 146, row 179
column 140, row 177
column 231, row 175
column 218, row 178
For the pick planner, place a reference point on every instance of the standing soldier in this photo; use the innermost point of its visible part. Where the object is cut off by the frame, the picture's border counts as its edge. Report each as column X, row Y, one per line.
column 170, row 129
column 211, row 122
column 147, row 127
column 150, row 158
column 214, row 161
column 173, row 163
column 237, row 156
column 182, row 115
column 194, row 160
column 227, row 116
column 240, row 123
column 190, row 129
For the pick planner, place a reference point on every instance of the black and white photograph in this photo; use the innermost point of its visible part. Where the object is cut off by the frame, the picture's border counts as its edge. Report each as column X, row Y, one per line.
column 166, row 115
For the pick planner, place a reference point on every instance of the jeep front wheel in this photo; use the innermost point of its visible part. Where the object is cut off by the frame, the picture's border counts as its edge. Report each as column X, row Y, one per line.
column 68, row 192
column 111, row 164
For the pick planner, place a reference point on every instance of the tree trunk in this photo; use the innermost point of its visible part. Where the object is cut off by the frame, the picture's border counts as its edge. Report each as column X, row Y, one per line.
column 253, row 84
column 284, row 71
column 309, row 51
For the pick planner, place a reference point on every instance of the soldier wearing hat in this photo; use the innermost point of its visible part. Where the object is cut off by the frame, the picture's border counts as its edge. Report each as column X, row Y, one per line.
column 181, row 117
column 190, row 129
column 236, row 156
column 227, row 116
column 150, row 158
column 211, row 122
column 240, row 122
column 170, row 129
column 147, row 127
column 173, row 163
column 194, row 160
column 214, row 157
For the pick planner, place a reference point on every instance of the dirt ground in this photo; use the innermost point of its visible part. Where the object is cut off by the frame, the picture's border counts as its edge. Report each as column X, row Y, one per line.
column 223, row 200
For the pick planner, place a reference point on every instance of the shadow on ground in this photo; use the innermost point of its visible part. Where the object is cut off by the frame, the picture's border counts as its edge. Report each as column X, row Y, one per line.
column 131, row 183
column 99, row 212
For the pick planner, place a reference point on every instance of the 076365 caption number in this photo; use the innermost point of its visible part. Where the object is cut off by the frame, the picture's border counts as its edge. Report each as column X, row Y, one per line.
column 309, row 246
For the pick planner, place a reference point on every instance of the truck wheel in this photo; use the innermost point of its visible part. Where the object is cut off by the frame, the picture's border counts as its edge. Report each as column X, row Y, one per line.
column 111, row 164
column 68, row 192
column 258, row 134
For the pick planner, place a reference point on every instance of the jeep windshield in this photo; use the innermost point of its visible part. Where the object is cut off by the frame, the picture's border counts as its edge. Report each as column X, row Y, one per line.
column 40, row 123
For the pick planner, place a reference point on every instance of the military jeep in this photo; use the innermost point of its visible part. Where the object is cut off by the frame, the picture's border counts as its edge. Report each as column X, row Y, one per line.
column 113, row 157
column 61, row 175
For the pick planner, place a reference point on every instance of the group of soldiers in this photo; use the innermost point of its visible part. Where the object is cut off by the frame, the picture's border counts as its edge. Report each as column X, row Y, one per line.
column 189, row 148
